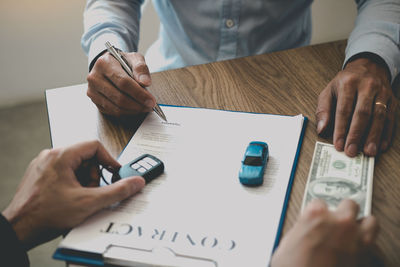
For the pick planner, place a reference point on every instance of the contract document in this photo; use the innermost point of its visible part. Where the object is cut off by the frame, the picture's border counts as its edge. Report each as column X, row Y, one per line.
column 197, row 213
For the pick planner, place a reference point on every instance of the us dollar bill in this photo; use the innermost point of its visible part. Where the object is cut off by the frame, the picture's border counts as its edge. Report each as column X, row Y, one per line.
column 334, row 176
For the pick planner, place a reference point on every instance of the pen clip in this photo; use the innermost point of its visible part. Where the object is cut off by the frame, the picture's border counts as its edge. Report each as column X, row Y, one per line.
column 121, row 59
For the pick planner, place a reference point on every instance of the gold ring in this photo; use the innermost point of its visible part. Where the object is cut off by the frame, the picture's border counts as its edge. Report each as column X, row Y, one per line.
column 381, row 104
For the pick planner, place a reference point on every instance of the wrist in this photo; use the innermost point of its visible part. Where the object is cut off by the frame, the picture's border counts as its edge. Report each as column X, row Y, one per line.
column 21, row 226
column 372, row 62
column 99, row 55
column 96, row 58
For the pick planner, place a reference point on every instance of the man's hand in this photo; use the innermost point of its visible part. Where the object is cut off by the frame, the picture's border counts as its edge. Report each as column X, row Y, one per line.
column 114, row 92
column 50, row 199
column 324, row 238
column 361, row 99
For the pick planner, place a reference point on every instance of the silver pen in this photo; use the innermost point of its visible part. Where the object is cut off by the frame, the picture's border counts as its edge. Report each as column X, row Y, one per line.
column 125, row 66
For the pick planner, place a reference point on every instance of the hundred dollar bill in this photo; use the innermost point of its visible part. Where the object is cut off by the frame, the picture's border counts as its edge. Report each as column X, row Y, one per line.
column 334, row 176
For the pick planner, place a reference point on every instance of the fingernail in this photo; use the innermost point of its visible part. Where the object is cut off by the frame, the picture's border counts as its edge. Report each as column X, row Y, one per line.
column 149, row 103
column 372, row 149
column 352, row 149
column 320, row 126
column 384, row 145
column 340, row 144
column 144, row 79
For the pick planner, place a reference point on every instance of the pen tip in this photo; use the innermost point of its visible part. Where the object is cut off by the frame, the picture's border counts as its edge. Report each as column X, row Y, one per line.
column 160, row 113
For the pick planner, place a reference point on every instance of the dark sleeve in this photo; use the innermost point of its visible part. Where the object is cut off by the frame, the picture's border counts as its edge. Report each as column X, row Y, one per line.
column 12, row 253
column 95, row 59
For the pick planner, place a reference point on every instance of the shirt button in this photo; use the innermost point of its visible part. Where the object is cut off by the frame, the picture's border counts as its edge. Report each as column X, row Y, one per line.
column 229, row 23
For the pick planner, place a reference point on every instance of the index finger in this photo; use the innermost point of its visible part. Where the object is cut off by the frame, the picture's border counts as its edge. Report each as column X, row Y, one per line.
column 80, row 152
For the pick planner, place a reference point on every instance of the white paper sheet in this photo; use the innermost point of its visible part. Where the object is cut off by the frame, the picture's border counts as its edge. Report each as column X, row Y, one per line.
column 198, row 208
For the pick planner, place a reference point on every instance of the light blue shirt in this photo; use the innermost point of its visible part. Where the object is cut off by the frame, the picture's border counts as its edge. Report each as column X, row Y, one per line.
column 202, row 31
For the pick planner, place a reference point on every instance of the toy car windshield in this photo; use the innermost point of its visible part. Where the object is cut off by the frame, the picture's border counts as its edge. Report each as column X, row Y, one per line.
column 253, row 161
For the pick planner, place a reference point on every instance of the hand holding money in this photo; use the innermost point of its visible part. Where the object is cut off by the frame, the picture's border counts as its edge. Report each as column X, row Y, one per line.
column 329, row 231
column 328, row 238
column 334, row 176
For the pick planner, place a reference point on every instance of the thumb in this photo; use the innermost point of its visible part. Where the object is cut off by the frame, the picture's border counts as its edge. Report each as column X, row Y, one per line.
column 140, row 69
column 106, row 195
column 324, row 109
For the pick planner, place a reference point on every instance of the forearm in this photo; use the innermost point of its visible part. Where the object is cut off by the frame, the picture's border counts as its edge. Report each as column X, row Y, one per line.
column 109, row 20
column 376, row 31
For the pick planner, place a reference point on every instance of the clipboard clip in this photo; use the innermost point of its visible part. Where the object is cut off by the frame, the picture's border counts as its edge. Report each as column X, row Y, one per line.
column 158, row 256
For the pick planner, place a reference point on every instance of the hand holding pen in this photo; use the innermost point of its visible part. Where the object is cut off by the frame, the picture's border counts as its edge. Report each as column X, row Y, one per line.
column 117, row 93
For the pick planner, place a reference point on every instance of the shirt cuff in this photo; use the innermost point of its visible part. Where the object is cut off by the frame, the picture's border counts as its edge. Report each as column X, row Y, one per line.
column 97, row 46
column 379, row 45
column 12, row 252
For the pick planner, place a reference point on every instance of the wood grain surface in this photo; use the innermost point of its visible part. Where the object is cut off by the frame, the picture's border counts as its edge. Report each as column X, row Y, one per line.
column 286, row 82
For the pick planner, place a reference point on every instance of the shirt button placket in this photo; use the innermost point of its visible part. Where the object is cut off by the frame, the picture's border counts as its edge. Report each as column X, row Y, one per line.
column 229, row 29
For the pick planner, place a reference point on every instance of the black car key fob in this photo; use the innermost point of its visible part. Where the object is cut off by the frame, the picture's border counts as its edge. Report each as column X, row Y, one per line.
column 147, row 166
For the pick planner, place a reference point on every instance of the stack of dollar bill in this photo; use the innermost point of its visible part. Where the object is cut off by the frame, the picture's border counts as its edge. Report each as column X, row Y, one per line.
column 334, row 176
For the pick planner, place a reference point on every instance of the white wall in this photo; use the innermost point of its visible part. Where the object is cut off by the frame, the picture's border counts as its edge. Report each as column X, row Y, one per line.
column 40, row 42
column 332, row 20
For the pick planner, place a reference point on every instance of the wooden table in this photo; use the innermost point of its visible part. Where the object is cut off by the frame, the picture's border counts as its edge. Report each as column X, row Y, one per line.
column 286, row 82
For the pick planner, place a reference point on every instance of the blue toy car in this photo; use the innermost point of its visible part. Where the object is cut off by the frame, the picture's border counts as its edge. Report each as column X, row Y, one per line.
column 253, row 164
